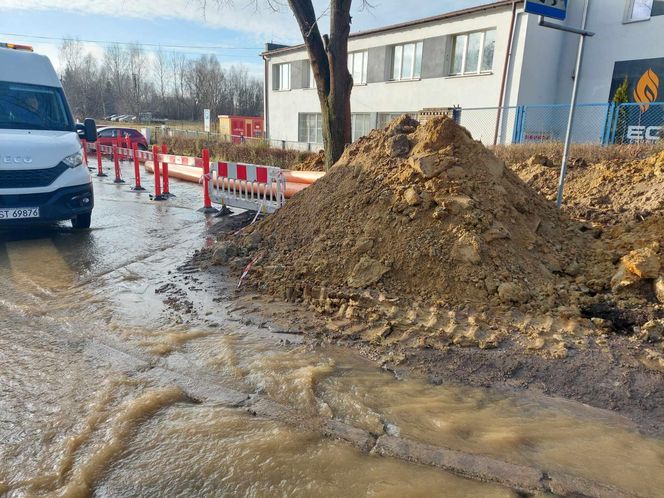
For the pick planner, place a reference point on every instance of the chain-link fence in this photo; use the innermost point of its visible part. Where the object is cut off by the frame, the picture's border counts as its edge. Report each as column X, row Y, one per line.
column 156, row 133
column 537, row 123
column 636, row 123
column 491, row 124
column 594, row 123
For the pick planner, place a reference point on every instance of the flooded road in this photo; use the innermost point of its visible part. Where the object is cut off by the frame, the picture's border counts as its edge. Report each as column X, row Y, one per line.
column 106, row 390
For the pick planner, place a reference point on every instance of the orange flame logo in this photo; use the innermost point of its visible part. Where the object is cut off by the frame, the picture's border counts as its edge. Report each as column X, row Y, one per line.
column 646, row 89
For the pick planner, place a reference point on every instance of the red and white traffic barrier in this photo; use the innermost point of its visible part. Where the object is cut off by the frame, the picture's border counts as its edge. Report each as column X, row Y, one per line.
column 247, row 186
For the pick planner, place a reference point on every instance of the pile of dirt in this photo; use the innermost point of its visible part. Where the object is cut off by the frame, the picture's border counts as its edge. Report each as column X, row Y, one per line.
column 314, row 162
column 626, row 269
column 416, row 222
column 423, row 211
column 607, row 192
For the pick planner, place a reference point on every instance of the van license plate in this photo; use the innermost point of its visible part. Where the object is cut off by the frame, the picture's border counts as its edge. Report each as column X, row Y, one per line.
column 19, row 213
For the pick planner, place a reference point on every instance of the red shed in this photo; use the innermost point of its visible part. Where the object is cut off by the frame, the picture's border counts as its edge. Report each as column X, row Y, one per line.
column 241, row 126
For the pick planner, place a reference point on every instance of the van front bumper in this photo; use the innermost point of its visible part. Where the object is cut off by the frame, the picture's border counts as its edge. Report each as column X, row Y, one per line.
column 62, row 204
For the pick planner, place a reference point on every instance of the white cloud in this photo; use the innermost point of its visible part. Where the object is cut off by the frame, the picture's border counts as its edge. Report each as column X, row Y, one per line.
column 52, row 51
column 246, row 16
column 259, row 20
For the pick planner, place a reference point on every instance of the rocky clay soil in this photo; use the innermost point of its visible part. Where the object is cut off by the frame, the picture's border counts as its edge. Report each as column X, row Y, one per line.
column 610, row 192
column 424, row 250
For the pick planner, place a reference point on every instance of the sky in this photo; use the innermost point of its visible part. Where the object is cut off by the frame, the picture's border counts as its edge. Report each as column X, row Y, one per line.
column 233, row 30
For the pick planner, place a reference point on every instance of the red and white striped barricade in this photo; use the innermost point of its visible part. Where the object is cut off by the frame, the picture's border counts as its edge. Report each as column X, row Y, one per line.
column 247, row 186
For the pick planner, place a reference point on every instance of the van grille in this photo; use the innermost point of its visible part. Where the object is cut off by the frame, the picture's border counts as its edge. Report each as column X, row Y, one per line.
column 25, row 200
column 27, row 178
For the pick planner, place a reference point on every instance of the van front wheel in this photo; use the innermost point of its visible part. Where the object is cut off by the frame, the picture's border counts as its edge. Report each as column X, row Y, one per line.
column 82, row 221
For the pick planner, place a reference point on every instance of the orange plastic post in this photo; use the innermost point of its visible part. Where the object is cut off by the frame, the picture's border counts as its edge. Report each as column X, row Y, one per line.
column 116, row 163
column 137, row 170
column 100, row 169
column 166, row 187
column 157, row 173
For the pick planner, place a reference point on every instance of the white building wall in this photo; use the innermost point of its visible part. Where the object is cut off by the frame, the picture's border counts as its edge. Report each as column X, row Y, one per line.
column 615, row 40
column 541, row 72
column 404, row 96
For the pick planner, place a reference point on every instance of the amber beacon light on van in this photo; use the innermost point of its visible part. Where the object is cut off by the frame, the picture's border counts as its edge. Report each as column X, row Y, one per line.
column 16, row 46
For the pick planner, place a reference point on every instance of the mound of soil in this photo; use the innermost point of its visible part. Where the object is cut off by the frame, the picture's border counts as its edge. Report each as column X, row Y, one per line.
column 315, row 162
column 422, row 211
column 607, row 192
column 419, row 237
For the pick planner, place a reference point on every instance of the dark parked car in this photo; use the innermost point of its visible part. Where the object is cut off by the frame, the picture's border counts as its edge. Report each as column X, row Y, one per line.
column 109, row 134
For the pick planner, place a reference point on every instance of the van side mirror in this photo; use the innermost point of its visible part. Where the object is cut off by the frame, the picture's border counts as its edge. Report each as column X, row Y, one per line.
column 87, row 131
column 90, row 130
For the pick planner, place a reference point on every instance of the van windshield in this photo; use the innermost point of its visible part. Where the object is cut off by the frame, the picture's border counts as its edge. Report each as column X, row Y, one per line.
column 33, row 107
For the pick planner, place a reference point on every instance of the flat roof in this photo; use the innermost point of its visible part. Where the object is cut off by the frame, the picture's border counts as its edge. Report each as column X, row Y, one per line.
column 410, row 24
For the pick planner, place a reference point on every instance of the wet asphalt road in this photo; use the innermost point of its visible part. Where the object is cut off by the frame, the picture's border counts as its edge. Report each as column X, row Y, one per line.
column 78, row 417
column 126, row 226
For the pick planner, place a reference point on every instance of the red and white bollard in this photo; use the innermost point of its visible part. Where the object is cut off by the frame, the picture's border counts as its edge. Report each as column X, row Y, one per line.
column 137, row 171
column 207, row 202
column 116, row 163
column 166, row 190
column 157, row 174
column 100, row 169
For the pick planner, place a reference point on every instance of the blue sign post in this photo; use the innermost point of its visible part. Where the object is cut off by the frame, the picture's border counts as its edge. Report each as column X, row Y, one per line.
column 556, row 9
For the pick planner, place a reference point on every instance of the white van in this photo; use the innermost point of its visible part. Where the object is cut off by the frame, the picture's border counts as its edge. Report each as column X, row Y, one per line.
column 43, row 177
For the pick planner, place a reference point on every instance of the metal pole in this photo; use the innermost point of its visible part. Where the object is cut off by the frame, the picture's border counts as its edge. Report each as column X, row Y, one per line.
column 506, row 68
column 570, row 121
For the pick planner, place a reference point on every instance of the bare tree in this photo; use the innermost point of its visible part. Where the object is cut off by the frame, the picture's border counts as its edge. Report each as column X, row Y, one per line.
column 328, row 54
column 137, row 89
column 115, row 62
column 160, row 72
column 175, row 87
column 329, row 61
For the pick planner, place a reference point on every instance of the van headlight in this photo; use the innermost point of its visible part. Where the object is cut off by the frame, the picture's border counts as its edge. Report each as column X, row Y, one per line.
column 74, row 160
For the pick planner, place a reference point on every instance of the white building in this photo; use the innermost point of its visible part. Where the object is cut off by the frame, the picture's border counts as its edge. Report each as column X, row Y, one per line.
column 467, row 58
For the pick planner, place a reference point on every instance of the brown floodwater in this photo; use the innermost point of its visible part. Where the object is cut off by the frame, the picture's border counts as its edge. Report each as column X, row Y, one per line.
column 76, row 424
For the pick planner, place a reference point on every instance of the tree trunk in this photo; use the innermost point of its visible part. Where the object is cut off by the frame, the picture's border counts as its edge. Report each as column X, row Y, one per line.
column 329, row 62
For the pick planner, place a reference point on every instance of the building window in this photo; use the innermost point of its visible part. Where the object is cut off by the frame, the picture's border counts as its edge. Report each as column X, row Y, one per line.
column 407, row 61
column 473, row 52
column 357, row 67
column 283, row 75
column 361, row 124
column 639, row 10
column 310, row 127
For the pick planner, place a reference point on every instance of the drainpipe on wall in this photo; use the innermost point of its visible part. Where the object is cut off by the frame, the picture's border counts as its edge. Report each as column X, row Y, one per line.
column 506, row 67
column 266, row 108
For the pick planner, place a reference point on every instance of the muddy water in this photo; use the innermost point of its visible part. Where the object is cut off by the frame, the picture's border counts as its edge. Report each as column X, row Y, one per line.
column 74, row 423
